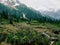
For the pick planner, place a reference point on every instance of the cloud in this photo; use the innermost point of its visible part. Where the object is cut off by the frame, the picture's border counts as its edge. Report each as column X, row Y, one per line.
column 42, row 4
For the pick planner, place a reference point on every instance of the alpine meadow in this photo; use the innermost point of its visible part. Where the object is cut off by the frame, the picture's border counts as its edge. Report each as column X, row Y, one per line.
column 29, row 22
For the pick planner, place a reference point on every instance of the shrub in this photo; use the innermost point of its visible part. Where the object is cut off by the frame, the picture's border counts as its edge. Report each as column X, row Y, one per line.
column 25, row 37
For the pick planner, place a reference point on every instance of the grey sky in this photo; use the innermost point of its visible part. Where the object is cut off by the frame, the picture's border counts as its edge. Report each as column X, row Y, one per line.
column 42, row 4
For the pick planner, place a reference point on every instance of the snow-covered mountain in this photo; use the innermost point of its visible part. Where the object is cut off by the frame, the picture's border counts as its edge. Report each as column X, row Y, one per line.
column 10, row 3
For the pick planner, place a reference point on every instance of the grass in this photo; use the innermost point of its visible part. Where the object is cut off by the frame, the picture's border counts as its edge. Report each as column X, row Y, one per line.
column 28, row 32
column 24, row 37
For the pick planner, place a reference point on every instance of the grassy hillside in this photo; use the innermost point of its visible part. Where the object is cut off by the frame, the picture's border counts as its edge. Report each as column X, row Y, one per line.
column 27, row 27
column 23, row 33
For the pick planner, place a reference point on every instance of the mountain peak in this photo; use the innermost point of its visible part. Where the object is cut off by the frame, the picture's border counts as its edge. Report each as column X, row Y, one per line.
column 10, row 2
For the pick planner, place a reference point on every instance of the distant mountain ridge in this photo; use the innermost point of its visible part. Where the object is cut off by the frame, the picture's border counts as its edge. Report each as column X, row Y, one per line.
column 54, row 14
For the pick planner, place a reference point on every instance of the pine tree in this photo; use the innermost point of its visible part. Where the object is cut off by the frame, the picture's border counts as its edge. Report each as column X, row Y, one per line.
column 5, row 15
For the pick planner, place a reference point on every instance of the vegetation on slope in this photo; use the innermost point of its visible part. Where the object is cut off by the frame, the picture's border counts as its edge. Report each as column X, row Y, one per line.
column 27, row 34
column 30, row 33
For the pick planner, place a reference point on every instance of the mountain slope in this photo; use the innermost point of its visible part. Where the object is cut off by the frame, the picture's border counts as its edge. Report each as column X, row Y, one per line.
column 21, row 10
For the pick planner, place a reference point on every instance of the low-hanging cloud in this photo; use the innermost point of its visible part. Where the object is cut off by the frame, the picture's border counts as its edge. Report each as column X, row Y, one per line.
column 42, row 4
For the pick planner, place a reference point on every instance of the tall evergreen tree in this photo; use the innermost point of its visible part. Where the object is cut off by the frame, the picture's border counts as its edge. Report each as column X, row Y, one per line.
column 5, row 15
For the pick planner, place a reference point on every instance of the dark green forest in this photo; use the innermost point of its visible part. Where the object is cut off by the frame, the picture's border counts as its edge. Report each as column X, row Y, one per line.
column 27, row 35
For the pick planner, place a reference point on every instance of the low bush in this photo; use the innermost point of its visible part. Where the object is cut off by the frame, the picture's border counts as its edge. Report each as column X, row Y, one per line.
column 25, row 37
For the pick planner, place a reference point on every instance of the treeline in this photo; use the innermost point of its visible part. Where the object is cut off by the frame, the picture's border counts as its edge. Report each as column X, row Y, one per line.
column 49, row 20
column 30, row 14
